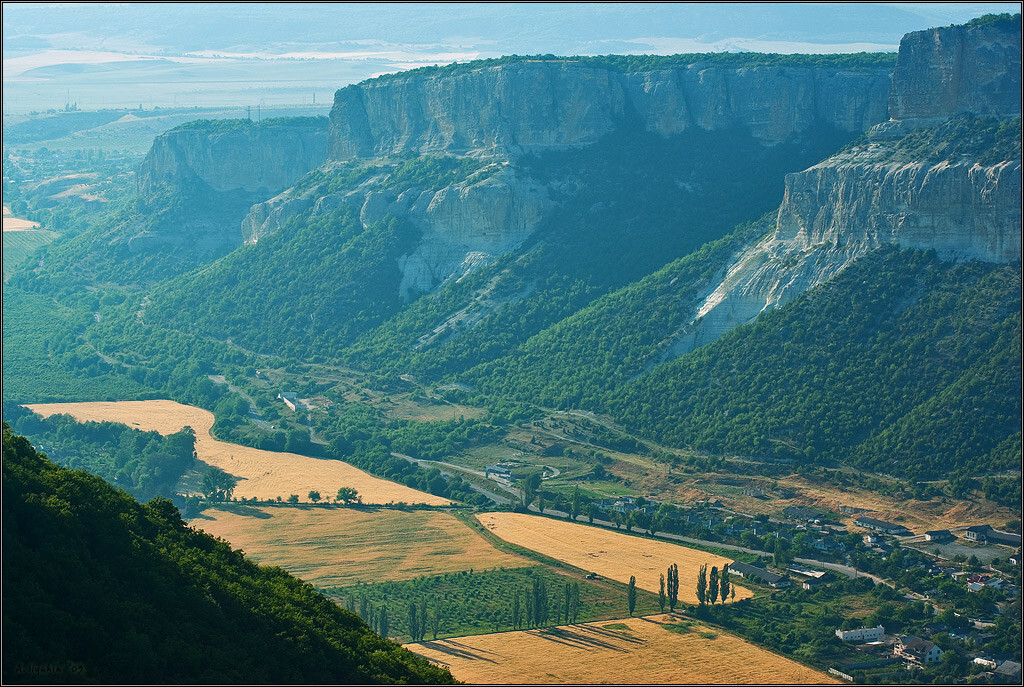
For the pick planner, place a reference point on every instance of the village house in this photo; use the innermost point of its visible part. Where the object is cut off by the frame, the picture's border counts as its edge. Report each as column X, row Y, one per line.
column 1009, row 672
column 938, row 535
column 861, row 634
column 985, row 533
column 753, row 572
column 880, row 525
column 916, row 650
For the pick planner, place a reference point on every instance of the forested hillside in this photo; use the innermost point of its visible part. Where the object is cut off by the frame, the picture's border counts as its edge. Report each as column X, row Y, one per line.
column 99, row 588
column 903, row 364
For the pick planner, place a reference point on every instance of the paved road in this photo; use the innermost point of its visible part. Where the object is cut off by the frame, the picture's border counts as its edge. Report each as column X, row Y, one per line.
column 450, row 469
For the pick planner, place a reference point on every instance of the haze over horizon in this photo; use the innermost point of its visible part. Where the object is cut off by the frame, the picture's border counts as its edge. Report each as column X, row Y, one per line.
column 101, row 55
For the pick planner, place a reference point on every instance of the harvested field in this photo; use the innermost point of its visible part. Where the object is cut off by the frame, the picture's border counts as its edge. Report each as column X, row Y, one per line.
column 606, row 552
column 263, row 474
column 602, row 652
column 342, row 546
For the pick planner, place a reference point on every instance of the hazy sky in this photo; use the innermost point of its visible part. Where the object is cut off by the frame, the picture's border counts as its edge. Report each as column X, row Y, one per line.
column 92, row 53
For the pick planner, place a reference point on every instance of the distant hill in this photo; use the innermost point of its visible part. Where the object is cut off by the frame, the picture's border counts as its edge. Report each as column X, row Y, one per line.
column 99, row 588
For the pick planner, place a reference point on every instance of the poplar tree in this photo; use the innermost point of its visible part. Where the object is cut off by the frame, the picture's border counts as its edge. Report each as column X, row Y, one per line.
column 673, row 586
column 576, row 603
column 661, row 592
column 702, row 584
column 631, row 595
column 414, row 621
column 568, row 601
column 724, row 585
column 423, row 619
column 713, row 585
column 517, row 611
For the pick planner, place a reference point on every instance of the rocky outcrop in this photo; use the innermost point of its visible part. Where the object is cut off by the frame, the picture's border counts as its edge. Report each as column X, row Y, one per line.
column 201, row 180
column 872, row 195
column 528, row 106
column 953, row 70
column 262, row 159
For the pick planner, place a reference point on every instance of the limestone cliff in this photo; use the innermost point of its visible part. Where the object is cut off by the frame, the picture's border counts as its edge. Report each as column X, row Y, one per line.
column 498, row 113
column 203, row 178
column 527, row 106
column 933, row 188
column 954, row 70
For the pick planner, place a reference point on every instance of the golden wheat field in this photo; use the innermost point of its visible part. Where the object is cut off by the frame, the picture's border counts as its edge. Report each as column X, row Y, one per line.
column 605, row 552
column 263, row 474
column 342, row 546
column 635, row 651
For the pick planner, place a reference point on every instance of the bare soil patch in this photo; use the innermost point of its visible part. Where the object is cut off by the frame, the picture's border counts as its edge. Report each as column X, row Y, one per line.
column 261, row 474
column 602, row 652
column 340, row 547
column 605, row 552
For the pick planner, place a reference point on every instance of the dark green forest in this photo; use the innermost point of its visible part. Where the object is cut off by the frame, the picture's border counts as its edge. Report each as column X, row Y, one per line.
column 102, row 589
column 900, row 355
column 144, row 464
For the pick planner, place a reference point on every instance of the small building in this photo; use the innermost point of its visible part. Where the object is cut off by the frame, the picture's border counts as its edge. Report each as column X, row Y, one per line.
column 861, row 634
column 879, row 525
column 938, row 535
column 977, row 533
column 1014, row 559
column 987, row 533
column 814, row 583
column 767, row 577
column 290, row 398
column 497, row 471
column 1008, row 672
column 916, row 650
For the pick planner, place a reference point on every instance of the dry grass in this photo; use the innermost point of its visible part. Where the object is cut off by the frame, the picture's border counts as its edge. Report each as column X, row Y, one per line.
column 611, row 554
column 263, row 474
column 601, row 652
column 339, row 547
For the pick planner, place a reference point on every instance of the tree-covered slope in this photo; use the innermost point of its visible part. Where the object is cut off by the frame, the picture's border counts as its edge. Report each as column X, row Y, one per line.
column 902, row 364
column 626, row 207
column 577, row 361
column 303, row 291
column 100, row 588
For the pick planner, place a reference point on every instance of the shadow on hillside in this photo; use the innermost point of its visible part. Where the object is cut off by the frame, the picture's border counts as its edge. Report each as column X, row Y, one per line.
column 457, row 649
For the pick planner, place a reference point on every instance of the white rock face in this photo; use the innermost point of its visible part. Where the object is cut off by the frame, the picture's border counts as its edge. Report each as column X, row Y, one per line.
column 466, row 225
column 845, row 207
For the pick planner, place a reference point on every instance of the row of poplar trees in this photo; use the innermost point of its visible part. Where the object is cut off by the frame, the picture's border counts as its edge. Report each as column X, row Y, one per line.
column 712, row 586
column 532, row 607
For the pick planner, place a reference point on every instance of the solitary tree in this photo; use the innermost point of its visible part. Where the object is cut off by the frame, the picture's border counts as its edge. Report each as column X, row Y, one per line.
column 314, row 496
column 576, row 504
column 702, row 584
column 631, row 595
column 294, row 498
column 713, row 585
column 347, row 495
column 661, row 592
column 724, row 585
